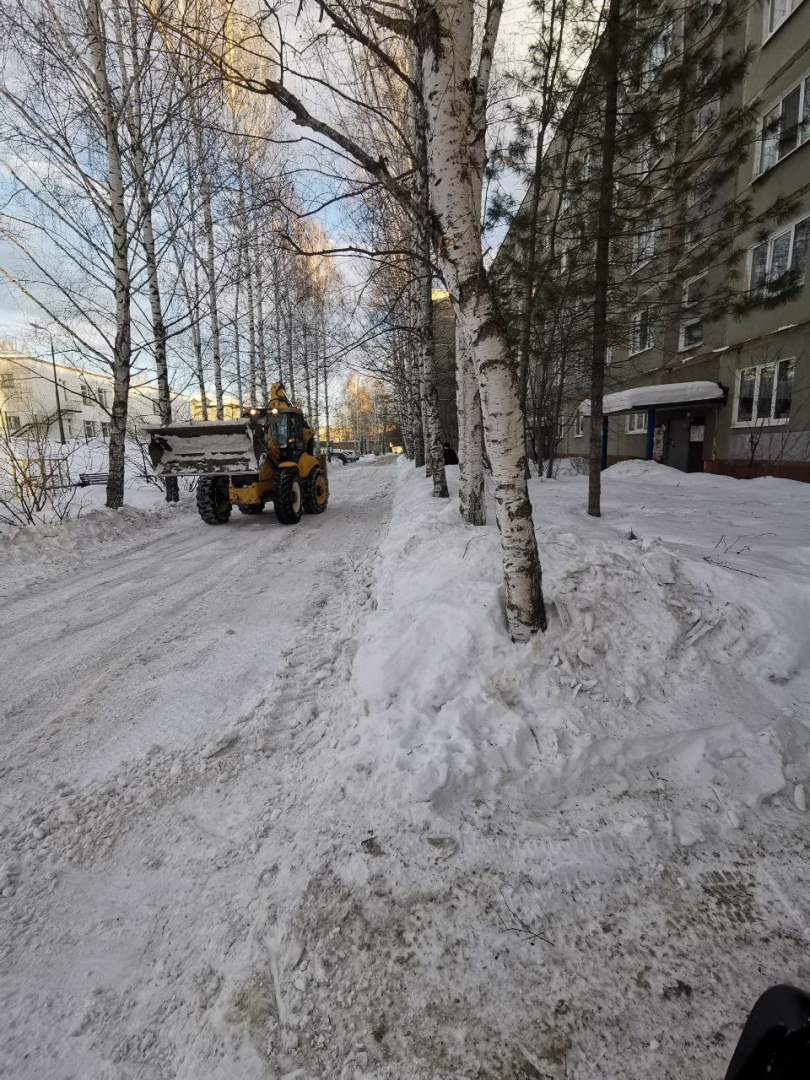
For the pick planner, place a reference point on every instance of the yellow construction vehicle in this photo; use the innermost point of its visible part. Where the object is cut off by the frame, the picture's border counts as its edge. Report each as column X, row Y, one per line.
column 266, row 456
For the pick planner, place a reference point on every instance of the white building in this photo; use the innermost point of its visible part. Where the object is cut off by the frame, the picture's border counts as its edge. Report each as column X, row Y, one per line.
column 33, row 390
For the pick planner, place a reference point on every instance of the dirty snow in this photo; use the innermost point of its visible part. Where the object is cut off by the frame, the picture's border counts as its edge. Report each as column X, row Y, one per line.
column 286, row 802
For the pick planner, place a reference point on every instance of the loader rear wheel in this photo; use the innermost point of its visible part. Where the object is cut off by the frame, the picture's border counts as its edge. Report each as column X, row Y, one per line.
column 213, row 499
column 316, row 491
column 288, row 497
column 258, row 508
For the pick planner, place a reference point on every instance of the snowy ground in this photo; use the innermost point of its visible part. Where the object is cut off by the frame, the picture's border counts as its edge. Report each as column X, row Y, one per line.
column 286, row 802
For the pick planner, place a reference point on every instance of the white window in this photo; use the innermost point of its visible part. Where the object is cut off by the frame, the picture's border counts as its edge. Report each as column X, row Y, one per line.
column 90, row 429
column 87, row 396
column 709, row 110
column 643, row 336
column 646, row 242
column 586, row 165
column 6, row 381
column 579, row 424
column 699, row 201
column 777, row 12
column 694, row 293
column 637, row 423
column 105, row 430
column 101, row 398
column 13, row 423
column 785, row 126
column 609, row 354
column 764, row 393
column 659, row 53
column 780, row 260
column 652, row 150
column 565, row 202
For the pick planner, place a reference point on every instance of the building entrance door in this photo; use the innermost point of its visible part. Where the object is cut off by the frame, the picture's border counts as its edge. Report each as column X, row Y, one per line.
column 677, row 454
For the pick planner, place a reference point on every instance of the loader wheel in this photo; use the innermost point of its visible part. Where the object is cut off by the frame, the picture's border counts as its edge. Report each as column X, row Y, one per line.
column 316, row 492
column 288, row 497
column 213, row 499
column 257, row 509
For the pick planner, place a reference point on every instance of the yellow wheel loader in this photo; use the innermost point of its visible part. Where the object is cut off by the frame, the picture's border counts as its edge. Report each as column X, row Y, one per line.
column 266, row 456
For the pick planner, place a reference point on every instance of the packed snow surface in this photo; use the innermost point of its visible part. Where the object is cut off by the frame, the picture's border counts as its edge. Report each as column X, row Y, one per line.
column 286, row 801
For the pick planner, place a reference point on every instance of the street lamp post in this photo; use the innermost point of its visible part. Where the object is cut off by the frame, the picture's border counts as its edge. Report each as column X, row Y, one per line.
column 55, row 386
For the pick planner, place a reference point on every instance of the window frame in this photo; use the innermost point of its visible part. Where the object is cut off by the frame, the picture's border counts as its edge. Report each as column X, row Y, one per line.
column 579, row 424
column 803, row 86
column 685, row 320
column 769, row 241
column 630, row 428
column 650, row 333
column 758, row 421
column 92, row 432
column 768, row 34
column 652, row 230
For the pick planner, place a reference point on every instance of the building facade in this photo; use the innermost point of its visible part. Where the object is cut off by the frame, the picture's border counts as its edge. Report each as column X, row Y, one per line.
column 71, row 401
column 709, row 341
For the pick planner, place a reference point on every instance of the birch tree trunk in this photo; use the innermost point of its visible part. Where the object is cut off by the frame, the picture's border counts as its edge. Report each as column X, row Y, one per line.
column 434, row 435
column 450, row 100
column 470, row 434
column 119, row 231
column 210, row 268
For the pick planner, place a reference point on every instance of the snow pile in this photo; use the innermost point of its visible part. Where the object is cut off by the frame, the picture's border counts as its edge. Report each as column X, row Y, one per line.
column 85, row 532
column 653, row 664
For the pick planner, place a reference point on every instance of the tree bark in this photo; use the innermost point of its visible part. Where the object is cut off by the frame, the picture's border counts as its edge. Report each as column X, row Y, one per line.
column 119, row 232
column 470, row 434
column 210, row 268
column 602, row 261
column 450, row 98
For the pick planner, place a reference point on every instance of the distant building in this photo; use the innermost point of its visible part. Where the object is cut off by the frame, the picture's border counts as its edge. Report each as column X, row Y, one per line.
column 30, row 395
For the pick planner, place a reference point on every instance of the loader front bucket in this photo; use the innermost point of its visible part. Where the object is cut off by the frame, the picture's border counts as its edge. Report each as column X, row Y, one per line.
column 207, row 448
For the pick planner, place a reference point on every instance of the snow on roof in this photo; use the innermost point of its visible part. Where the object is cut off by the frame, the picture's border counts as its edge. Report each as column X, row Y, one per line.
column 645, row 397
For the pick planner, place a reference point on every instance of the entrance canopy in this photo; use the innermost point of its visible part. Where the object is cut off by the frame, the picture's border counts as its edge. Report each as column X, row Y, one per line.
column 667, row 395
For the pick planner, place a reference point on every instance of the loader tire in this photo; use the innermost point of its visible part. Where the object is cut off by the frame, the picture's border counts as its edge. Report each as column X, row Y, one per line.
column 257, row 509
column 316, row 491
column 288, row 497
column 213, row 501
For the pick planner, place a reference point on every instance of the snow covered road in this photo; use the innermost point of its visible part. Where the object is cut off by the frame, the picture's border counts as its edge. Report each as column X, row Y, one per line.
column 121, row 667
column 168, row 636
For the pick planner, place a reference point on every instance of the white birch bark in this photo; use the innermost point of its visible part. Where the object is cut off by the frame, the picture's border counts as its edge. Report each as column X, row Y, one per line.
column 119, row 232
column 209, row 264
column 450, row 99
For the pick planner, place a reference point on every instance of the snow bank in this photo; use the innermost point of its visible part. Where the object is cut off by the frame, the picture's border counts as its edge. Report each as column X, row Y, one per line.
column 39, row 543
column 656, row 664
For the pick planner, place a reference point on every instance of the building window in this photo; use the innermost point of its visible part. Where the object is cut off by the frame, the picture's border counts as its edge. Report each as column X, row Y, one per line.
column 13, row 423
column 778, row 11
column 643, row 336
column 780, row 260
column 101, row 398
column 708, row 112
column 105, row 430
column 646, row 242
column 87, row 397
column 694, row 293
column 565, row 202
column 652, row 151
column 764, row 393
column 90, row 429
column 785, row 126
column 579, row 424
column 586, row 165
column 699, row 201
column 6, row 381
column 637, row 423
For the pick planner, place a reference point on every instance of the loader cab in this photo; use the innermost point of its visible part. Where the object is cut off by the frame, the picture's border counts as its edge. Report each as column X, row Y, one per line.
column 287, row 430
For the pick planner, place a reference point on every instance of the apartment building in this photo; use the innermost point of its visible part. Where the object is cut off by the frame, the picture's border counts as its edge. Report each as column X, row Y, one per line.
column 709, row 342
column 69, row 400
